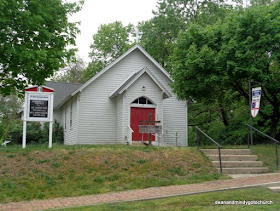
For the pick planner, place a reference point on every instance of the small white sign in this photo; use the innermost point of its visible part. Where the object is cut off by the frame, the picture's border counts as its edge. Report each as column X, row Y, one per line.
column 38, row 107
column 256, row 100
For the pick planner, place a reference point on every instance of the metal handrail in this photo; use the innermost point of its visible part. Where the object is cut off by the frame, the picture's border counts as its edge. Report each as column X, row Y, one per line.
column 130, row 128
column 130, row 134
column 273, row 139
column 219, row 146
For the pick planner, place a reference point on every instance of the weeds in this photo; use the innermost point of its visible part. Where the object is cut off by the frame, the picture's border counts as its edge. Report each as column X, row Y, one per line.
column 77, row 170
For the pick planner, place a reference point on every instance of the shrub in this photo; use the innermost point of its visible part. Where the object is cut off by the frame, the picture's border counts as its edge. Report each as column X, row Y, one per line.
column 57, row 135
column 35, row 132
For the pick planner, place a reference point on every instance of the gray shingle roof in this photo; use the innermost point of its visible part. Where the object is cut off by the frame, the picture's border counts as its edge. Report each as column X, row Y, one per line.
column 62, row 90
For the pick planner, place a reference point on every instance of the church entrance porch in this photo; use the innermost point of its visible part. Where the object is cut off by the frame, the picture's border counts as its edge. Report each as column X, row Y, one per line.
column 140, row 114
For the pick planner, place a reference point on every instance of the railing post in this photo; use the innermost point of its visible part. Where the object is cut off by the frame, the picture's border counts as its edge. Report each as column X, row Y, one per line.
column 197, row 137
column 220, row 159
column 248, row 137
column 277, row 163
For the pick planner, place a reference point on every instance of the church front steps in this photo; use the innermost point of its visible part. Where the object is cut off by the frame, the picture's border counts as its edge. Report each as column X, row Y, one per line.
column 233, row 157
column 249, row 170
column 236, row 161
column 275, row 189
column 236, row 164
column 227, row 151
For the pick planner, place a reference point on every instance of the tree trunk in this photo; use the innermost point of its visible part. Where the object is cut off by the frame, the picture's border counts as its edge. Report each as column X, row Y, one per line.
column 224, row 116
column 274, row 123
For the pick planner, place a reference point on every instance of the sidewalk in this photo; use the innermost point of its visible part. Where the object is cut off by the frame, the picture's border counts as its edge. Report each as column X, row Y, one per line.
column 142, row 194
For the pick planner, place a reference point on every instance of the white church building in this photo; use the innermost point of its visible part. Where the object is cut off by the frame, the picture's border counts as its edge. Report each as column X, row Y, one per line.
column 108, row 108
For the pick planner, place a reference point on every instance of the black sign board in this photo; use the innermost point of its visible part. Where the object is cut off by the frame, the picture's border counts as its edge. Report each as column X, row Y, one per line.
column 38, row 108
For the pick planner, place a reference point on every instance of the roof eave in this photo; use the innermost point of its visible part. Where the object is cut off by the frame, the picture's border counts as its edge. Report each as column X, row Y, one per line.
column 144, row 70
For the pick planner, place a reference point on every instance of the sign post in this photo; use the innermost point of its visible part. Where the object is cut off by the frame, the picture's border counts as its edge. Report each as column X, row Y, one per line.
column 149, row 128
column 38, row 106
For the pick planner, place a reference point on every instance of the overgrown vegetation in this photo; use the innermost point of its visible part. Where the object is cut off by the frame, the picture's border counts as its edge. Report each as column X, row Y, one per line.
column 40, row 173
column 35, row 132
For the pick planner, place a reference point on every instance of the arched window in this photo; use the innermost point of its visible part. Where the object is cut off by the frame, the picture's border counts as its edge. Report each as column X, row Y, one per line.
column 142, row 100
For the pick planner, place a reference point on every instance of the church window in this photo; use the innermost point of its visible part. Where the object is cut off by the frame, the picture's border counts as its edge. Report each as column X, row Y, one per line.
column 142, row 100
column 136, row 101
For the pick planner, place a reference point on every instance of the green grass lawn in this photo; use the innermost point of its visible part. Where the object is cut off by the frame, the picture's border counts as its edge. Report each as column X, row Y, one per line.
column 267, row 154
column 204, row 201
column 40, row 173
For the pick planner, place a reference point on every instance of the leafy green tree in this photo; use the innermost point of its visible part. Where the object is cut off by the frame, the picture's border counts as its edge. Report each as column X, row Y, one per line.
column 33, row 39
column 92, row 69
column 110, row 42
column 172, row 16
column 9, row 108
column 209, row 60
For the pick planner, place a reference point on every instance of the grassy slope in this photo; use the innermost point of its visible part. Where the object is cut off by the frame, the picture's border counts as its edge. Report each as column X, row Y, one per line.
column 204, row 201
column 40, row 173
column 267, row 154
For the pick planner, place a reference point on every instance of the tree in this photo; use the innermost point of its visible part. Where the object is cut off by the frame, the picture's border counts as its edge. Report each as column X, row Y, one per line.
column 172, row 16
column 209, row 60
column 92, row 69
column 73, row 72
column 33, row 39
column 9, row 107
column 110, row 42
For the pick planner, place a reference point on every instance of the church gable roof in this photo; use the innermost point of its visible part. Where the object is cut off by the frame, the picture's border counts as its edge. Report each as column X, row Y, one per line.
column 137, row 46
column 62, row 91
column 128, row 82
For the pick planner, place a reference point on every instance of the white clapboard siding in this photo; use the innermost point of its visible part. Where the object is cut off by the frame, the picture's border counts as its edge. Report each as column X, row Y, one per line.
column 152, row 92
column 70, row 133
column 103, row 120
column 57, row 116
column 175, row 119
column 174, row 111
column 97, row 112
column 120, row 123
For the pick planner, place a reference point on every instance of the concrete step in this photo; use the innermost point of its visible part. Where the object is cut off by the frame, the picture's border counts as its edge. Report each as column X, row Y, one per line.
column 275, row 189
column 255, row 170
column 237, row 164
column 272, row 184
column 234, row 157
column 227, row 151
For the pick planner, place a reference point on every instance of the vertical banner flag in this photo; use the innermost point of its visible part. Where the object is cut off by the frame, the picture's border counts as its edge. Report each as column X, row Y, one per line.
column 256, row 99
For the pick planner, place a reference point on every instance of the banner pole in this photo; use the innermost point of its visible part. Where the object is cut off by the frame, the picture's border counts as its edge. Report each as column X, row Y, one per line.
column 24, row 135
column 250, row 104
column 51, row 121
column 24, row 121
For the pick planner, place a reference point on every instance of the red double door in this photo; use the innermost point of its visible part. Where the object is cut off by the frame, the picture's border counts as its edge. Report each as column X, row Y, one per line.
column 137, row 115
